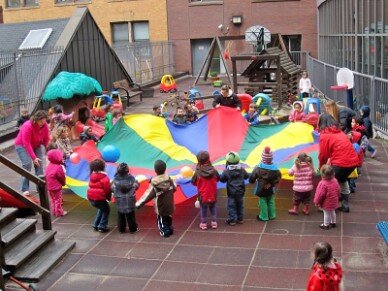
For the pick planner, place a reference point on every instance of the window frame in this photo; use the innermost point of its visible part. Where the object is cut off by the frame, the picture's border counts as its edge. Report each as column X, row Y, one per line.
column 22, row 4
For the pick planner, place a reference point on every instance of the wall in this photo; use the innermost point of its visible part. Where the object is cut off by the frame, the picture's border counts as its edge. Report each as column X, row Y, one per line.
column 201, row 20
column 103, row 11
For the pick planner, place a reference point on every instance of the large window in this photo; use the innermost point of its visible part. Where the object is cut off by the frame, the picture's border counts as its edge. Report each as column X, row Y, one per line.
column 21, row 3
column 120, row 33
column 140, row 31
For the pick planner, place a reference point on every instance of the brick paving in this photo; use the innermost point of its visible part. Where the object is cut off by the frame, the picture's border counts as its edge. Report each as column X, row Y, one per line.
column 272, row 255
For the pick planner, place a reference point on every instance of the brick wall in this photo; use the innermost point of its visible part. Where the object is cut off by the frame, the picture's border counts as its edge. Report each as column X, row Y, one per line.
column 103, row 11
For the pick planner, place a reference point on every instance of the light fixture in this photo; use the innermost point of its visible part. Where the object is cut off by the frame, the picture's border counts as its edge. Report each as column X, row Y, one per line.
column 224, row 30
column 237, row 20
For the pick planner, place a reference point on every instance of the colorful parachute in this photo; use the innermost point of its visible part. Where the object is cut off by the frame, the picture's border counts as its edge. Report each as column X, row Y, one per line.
column 144, row 138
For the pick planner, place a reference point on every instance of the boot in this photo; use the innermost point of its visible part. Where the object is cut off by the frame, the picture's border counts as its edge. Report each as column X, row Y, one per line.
column 306, row 209
column 294, row 210
column 345, row 203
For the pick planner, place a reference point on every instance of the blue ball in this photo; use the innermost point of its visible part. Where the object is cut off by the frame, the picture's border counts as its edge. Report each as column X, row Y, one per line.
column 110, row 153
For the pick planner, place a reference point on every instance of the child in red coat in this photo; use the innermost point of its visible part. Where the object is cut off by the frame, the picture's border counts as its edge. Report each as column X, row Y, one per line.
column 99, row 193
column 326, row 273
column 206, row 178
column 55, row 179
column 326, row 196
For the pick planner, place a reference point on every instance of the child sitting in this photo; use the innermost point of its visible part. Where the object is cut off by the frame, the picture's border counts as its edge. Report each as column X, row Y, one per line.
column 297, row 113
column 157, row 111
column 205, row 178
column 59, row 118
column 303, row 172
column 124, row 186
column 63, row 141
column 234, row 176
column 117, row 114
column 179, row 117
column 327, row 196
column 326, row 273
column 98, row 194
column 252, row 116
column 267, row 176
column 55, row 179
column 161, row 189
column 87, row 134
column 191, row 113
column 24, row 116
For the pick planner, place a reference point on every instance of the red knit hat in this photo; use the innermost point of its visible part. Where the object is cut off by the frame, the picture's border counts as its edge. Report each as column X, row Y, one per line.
column 267, row 156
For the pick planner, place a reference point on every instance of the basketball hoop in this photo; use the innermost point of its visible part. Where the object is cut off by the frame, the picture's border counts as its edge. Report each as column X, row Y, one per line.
column 339, row 87
column 345, row 81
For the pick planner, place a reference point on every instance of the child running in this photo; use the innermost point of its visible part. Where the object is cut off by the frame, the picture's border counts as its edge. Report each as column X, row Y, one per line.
column 326, row 197
column 303, row 172
column 99, row 193
column 55, row 179
column 124, row 186
column 267, row 176
column 161, row 189
column 205, row 178
column 326, row 273
column 234, row 176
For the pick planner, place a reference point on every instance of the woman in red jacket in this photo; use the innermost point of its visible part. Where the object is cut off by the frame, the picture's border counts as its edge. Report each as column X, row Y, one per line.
column 30, row 142
column 336, row 149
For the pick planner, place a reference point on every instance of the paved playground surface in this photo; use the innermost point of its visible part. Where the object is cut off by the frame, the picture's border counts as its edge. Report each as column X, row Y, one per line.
column 274, row 255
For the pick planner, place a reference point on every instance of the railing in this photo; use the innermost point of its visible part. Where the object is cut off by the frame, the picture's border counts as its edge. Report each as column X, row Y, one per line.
column 300, row 59
column 368, row 90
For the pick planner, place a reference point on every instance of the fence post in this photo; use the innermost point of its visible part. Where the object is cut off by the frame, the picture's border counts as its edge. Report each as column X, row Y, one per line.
column 44, row 202
column 2, row 264
column 372, row 99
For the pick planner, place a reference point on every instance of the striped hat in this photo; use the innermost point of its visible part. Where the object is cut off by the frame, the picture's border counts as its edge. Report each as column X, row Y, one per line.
column 267, row 156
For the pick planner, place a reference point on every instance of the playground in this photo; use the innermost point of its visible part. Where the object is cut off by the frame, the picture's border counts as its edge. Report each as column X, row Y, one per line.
column 273, row 255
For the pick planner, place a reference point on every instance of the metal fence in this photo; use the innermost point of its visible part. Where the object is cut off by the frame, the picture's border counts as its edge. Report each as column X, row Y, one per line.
column 368, row 90
column 146, row 61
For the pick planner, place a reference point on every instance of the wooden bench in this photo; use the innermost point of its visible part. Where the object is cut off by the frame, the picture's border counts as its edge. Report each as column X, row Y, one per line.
column 128, row 91
column 382, row 226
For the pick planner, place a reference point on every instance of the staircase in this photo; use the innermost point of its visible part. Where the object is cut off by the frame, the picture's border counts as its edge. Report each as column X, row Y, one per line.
column 29, row 253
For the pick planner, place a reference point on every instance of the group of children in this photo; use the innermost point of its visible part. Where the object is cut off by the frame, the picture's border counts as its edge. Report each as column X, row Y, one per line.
column 183, row 115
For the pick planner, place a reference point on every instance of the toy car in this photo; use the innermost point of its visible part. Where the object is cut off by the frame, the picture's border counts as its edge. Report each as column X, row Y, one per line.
column 167, row 84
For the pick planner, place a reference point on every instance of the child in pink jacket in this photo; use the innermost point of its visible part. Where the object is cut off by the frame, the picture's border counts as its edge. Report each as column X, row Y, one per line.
column 303, row 172
column 55, row 179
column 326, row 196
column 297, row 113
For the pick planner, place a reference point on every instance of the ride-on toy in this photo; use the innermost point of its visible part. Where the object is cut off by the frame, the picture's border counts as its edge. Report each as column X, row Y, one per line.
column 100, row 102
column 167, row 84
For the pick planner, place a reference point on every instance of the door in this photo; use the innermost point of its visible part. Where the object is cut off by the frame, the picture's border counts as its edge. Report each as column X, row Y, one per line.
column 199, row 49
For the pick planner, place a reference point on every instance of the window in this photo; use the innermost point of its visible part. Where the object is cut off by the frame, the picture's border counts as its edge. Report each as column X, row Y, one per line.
column 36, row 39
column 22, row 3
column 71, row 1
column 140, row 31
column 120, row 33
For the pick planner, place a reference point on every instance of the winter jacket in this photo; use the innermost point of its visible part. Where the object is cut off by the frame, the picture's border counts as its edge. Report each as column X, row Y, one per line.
column 267, row 176
column 328, row 279
column 62, row 118
column 22, row 120
column 345, row 118
column 55, row 175
column 327, row 194
column 234, row 176
column 64, row 145
column 84, row 137
column 179, row 119
column 161, row 189
column 336, row 146
column 205, row 178
column 231, row 101
column 99, row 187
column 191, row 116
column 303, row 177
column 108, row 121
column 297, row 115
column 124, row 188
column 360, row 154
column 31, row 136
column 367, row 123
column 252, row 119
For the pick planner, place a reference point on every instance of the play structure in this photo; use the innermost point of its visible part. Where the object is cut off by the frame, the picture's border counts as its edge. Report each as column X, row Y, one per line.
column 100, row 102
column 345, row 82
column 140, row 139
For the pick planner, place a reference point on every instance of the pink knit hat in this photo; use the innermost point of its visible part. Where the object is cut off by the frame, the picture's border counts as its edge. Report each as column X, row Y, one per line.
column 267, row 156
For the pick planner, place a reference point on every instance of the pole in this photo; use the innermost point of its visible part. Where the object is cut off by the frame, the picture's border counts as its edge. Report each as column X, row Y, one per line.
column 349, row 98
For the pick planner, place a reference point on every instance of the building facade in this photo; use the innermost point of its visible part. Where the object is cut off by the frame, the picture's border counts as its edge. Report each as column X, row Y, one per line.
column 354, row 34
column 121, row 21
column 192, row 24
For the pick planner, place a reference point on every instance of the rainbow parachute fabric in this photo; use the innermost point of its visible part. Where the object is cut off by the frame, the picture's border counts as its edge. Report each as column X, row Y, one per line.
column 144, row 138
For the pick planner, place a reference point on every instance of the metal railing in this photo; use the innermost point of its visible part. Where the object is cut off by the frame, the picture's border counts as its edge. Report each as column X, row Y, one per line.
column 368, row 90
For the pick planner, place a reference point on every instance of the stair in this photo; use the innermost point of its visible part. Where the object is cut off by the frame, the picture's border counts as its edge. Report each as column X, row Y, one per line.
column 29, row 253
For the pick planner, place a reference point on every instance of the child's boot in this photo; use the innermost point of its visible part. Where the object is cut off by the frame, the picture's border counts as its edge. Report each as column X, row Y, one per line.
column 203, row 226
column 294, row 210
column 306, row 209
column 214, row 224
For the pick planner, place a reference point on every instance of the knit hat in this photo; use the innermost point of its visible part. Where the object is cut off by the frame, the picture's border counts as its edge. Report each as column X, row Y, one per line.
column 203, row 157
column 267, row 156
column 86, row 128
column 232, row 158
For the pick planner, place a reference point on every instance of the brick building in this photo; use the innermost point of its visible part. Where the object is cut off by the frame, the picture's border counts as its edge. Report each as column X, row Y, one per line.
column 192, row 25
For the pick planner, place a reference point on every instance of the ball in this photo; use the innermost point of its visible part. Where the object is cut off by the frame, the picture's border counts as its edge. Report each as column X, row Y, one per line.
column 140, row 178
column 75, row 158
column 186, row 172
column 110, row 153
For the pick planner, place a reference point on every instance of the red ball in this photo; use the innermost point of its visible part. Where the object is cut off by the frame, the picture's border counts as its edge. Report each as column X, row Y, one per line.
column 75, row 158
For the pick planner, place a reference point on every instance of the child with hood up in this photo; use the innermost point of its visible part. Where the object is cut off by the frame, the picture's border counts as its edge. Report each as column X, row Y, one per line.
column 55, row 179
column 267, row 176
column 205, row 178
column 234, row 176
column 161, row 189
column 297, row 113
column 365, row 112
